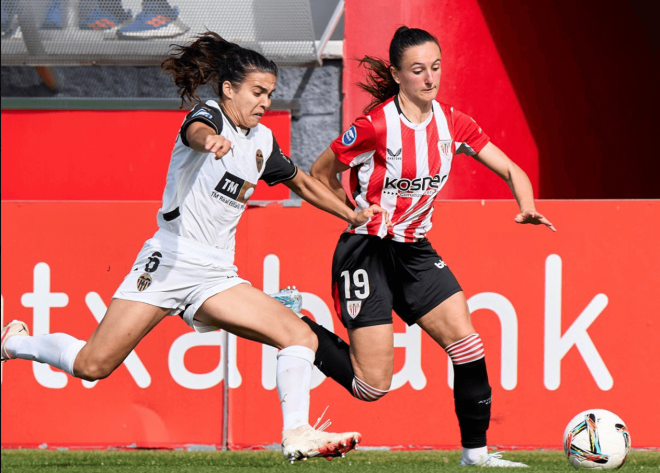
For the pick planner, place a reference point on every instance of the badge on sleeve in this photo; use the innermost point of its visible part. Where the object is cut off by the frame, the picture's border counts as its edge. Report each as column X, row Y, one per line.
column 202, row 112
column 349, row 136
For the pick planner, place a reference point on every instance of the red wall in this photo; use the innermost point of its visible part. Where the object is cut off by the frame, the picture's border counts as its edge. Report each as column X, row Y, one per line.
column 567, row 89
column 100, row 154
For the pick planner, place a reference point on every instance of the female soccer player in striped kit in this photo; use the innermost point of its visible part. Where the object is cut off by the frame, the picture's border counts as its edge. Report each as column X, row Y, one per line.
column 220, row 154
column 399, row 155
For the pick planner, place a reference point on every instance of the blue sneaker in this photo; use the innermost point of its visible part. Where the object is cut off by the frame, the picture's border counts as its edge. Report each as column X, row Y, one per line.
column 53, row 19
column 104, row 20
column 291, row 298
column 154, row 22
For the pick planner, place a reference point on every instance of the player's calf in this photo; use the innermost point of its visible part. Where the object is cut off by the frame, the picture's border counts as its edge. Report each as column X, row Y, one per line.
column 333, row 359
column 472, row 393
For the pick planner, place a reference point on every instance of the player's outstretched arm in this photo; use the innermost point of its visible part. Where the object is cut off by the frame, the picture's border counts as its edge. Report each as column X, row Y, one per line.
column 203, row 138
column 494, row 159
column 321, row 197
column 325, row 169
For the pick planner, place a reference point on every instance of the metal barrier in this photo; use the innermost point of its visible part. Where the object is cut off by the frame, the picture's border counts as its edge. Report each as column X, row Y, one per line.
column 140, row 32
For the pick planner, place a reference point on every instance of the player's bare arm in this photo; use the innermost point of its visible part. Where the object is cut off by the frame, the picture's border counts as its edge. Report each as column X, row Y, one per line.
column 321, row 197
column 204, row 138
column 494, row 159
column 325, row 169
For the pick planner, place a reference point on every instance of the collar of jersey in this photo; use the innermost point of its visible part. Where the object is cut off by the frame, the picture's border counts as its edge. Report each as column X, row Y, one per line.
column 408, row 123
column 215, row 104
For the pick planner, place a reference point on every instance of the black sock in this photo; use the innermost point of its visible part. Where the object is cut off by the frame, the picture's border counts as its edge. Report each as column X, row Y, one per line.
column 333, row 357
column 472, row 397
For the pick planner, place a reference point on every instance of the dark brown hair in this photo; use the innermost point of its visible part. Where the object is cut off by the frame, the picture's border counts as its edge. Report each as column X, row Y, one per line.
column 379, row 81
column 212, row 60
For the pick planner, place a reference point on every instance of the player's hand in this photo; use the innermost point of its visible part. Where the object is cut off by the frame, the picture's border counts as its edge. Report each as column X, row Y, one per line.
column 363, row 216
column 534, row 218
column 218, row 145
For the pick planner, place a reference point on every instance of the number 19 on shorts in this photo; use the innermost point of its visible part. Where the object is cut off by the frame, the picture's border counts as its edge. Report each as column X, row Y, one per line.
column 360, row 284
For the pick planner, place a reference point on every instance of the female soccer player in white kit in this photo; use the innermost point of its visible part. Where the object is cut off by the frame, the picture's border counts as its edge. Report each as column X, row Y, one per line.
column 400, row 153
column 187, row 268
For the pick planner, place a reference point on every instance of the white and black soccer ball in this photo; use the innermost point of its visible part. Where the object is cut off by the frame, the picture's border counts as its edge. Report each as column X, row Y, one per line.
column 596, row 440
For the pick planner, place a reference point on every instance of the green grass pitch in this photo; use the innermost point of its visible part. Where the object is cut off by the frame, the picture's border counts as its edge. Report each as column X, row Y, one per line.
column 269, row 461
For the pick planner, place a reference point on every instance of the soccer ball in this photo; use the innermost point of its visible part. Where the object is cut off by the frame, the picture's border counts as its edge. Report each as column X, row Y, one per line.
column 596, row 440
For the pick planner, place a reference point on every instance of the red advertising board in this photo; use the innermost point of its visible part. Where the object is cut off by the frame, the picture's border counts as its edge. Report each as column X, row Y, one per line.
column 568, row 320
column 101, row 154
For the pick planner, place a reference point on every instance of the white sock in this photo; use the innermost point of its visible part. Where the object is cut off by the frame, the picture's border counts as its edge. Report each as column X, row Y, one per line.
column 56, row 349
column 294, row 380
column 472, row 455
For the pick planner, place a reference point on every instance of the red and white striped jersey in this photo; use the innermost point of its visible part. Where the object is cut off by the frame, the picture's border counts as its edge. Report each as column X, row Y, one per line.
column 402, row 166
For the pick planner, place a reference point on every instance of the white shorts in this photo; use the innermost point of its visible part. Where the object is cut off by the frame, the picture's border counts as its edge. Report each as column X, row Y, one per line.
column 180, row 274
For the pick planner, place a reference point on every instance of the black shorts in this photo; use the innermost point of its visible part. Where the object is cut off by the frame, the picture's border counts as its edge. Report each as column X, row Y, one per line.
column 371, row 276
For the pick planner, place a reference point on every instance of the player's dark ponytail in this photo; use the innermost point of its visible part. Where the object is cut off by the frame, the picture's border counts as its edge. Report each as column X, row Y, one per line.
column 212, row 60
column 379, row 81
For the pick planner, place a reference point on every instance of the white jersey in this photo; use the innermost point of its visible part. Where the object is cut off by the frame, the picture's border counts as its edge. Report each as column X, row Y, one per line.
column 205, row 197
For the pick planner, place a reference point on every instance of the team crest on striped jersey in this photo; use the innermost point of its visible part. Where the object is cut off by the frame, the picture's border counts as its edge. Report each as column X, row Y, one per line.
column 354, row 308
column 445, row 148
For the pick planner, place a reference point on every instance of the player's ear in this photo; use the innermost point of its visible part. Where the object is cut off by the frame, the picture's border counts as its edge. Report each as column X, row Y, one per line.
column 395, row 74
column 227, row 89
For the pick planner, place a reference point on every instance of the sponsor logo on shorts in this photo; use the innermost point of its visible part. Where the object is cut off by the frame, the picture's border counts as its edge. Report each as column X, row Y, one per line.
column 203, row 112
column 143, row 282
column 233, row 191
column 440, row 264
column 353, row 308
column 349, row 137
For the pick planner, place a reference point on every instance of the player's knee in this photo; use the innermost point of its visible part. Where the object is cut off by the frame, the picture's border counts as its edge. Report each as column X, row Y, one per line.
column 370, row 393
column 93, row 371
column 302, row 335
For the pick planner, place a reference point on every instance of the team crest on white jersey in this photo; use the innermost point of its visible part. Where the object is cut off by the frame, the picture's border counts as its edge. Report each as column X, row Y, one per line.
column 260, row 160
column 354, row 308
column 445, row 148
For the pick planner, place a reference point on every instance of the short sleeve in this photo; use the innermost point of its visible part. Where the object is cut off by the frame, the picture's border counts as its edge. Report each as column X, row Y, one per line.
column 202, row 113
column 279, row 168
column 469, row 137
column 357, row 144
